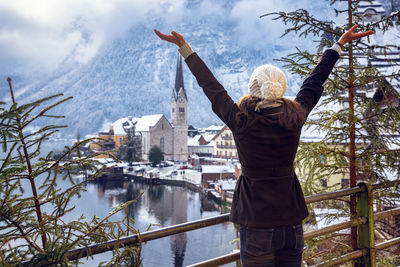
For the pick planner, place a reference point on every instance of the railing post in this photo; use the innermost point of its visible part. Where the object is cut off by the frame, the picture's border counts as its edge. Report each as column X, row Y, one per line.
column 366, row 238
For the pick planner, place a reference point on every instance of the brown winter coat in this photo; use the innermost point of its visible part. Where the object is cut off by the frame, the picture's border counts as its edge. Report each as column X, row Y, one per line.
column 268, row 192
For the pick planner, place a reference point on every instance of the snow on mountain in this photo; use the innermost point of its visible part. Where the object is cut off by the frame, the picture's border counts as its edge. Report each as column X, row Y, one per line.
column 134, row 75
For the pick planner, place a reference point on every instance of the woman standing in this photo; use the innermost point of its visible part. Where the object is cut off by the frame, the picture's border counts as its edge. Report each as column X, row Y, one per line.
column 268, row 202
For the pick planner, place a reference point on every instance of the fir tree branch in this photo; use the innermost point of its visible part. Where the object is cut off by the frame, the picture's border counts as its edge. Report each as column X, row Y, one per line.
column 42, row 112
column 301, row 18
column 386, row 19
column 30, row 171
column 23, row 234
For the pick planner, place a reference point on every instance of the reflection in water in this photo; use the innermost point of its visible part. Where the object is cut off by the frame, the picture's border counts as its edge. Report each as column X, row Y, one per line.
column 168, row 205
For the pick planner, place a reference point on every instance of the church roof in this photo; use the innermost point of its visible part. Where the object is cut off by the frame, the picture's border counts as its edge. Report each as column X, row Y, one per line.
column 143, row 124
column 179, row 84
column 148, row 121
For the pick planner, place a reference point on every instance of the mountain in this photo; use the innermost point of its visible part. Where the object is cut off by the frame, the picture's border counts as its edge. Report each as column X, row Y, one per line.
column 134, row 75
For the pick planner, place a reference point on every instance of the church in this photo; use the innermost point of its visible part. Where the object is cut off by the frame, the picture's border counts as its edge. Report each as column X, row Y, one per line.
column 155, row 130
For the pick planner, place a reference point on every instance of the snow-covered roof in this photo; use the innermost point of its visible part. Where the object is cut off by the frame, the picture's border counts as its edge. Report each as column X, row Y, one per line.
column 208, row 136
column 213, row 128
column 118, row 125
column 228, row 184
column 217, row 169
column 143, row 124
column 194, row 141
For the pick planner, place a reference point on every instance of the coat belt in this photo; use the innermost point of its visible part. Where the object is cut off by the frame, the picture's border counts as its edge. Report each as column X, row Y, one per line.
column 256, row 172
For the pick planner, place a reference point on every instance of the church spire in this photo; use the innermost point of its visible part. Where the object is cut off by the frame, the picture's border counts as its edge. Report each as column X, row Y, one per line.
column 179, row 80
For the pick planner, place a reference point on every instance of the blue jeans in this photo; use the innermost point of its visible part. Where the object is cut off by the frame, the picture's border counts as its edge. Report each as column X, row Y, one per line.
column 271, row 247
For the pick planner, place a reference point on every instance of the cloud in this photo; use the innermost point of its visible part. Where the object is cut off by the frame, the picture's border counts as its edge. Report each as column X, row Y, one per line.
column 259, row 33
column 43, row 33
column 40, row 34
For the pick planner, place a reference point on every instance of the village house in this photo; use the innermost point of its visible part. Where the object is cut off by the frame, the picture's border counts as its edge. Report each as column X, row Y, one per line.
column 224, row 145
column 212, row 173
column 225, row 188
column 200, row 146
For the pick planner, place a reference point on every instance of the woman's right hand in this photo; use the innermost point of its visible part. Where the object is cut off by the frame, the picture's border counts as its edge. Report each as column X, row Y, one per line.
column 175, row 38
column 349, row 36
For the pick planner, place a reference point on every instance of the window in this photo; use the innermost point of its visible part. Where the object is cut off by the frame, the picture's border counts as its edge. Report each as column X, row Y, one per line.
column 162, row 144
column 173, row 109
column 345, row 182
column 322, row 159
column 324, row 183
column 181, row 109
column 120, row 140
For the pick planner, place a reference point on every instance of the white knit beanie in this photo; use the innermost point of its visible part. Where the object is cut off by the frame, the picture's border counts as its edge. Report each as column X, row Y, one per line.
column 267, row 82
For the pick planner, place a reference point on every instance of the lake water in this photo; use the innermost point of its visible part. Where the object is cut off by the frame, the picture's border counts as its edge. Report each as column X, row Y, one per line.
column 163, row 205
column 160, row 204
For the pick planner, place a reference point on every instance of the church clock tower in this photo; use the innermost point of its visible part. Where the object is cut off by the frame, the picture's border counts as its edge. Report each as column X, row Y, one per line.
column 179, row 115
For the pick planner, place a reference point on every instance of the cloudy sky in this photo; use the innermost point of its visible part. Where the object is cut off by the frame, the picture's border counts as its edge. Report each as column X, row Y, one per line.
column 40, row 34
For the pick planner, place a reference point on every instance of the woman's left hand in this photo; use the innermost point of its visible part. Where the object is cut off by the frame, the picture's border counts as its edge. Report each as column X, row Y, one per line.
column 350, row 35
column 175, row 38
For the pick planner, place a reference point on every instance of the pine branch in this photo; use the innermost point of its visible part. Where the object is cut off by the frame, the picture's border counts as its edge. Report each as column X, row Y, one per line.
column 300, row 19
column 30, row 171
column 23, row 234
column 43, row 111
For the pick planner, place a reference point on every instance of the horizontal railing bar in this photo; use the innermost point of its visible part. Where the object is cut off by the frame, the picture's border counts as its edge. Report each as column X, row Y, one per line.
column 334, row 228
column 333, row 195
column 385, row 184
column 188, row 226
column 147, row 236
column 308, row 235
column 228, row 258
column 343, row 259
column 235, row 256
column 388, row 243
column 387, row 213
column 358, row 254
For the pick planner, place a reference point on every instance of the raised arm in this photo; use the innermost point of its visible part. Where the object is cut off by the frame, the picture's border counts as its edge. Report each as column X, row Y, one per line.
column 311, row 89
column 222, row 104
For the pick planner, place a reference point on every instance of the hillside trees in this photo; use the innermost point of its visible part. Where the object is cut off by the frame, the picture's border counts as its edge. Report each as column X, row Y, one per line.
column 359, row 115
column 35, row 229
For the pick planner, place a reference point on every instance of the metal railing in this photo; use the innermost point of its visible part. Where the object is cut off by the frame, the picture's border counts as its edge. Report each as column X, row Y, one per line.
column 365, row 224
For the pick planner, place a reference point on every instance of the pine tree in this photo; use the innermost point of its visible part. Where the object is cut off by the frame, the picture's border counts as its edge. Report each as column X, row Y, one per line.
column 361, row 134
column 155, row 155
column 33, row 230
